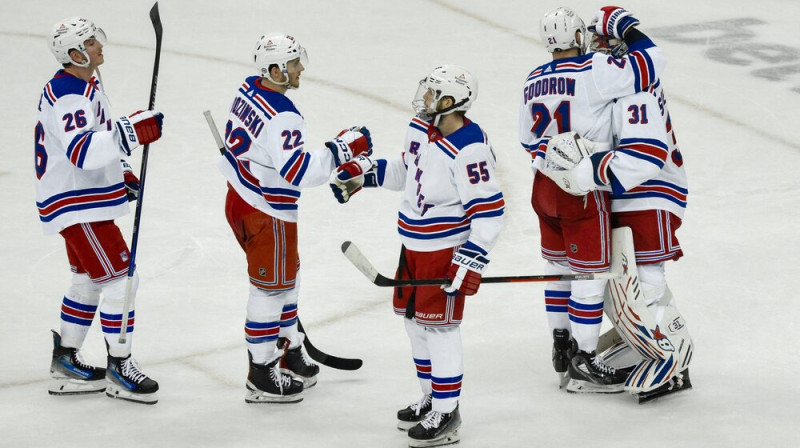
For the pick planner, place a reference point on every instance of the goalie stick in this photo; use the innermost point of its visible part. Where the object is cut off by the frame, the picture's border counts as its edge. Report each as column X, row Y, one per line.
column 316, row 354
column 155, row 18
column 351, row 251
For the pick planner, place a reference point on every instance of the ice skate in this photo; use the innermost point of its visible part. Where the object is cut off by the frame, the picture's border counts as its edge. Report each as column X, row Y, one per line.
column 408, row 417
column 295, row 364
column 69, row 375
column 127, row 382
column 589, row 375
column 563, row 349
column 436, row 429
column 266, row 384
column 678, row 383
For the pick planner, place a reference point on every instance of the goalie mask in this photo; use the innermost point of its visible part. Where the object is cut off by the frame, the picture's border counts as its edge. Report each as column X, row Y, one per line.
column 278, row 49
column 447, row 80
column 72, row 34
column 605, row 44
column 558, row 27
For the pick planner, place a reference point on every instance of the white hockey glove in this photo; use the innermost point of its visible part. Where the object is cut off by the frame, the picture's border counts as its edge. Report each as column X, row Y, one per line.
column 348, row 179
column 139, row 128
column 566, row 150
column 350, row 143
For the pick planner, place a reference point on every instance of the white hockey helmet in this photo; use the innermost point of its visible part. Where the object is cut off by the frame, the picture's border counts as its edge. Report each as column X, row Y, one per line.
column 71, row 34
column 558, row 27
column 278, row 49
column 447, row 80
column 606, row 44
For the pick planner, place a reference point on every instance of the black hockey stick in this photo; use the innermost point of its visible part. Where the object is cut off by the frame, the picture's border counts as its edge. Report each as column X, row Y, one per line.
column 362, row 264
column 315, row 353
column 155, row 18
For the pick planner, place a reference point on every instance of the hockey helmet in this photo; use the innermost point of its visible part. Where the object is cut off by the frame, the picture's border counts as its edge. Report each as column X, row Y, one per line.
column 278, row 49
column 558, row 27
column 447, row 80
column 72, row 34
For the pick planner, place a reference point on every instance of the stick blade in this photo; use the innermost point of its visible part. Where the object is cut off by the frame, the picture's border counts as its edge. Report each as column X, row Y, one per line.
column 155, row 17
column 358, row 259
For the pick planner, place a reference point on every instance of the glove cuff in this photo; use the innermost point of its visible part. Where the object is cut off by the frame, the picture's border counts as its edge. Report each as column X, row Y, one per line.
column 600, row 164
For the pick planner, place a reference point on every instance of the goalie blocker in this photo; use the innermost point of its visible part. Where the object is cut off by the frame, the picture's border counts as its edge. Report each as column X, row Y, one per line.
column 658, row 332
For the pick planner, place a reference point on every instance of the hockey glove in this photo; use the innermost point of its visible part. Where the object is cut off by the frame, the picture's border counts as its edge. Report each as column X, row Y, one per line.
column 465, row 272
column 565, row 151
column 131, row 181
column 138, row 129
column 350, row 143
column 613, row 21
column 348, row 179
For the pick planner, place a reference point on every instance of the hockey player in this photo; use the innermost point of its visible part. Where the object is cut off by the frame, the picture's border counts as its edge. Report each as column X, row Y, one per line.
column 450, row 217
column 648, row 185
column 574, row 92
column 266, row 165
column 82, row 185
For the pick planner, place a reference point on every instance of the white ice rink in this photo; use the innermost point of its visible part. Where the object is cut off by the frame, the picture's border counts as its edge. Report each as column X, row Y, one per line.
column 733, row 85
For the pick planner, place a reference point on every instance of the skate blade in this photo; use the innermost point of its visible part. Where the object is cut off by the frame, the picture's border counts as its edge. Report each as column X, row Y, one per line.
column 72, row 386
column 255, row 396
column 587, row 387
column 307, row 382
column 115, row 391
column 447, row 439
column 647, row 397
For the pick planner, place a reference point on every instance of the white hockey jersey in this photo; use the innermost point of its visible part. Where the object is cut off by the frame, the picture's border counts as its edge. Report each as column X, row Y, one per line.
column 575, row 94
column 78, row 171
column 451, row 195
column 646, row 171
column 266, row 161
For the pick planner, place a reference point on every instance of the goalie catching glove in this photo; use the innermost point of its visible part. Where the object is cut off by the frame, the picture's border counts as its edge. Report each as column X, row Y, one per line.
column 465, row 272
column 139, row 128
column 348, row 179
column 350, row 143
column 576, row 164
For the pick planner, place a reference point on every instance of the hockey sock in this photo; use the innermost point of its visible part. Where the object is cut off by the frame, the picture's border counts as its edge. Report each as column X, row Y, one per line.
column 420, row 353
column 262, row 327
column 556, row 297
column 77, row 310
column 447, row 366
column 586, row 312
column 111, row 315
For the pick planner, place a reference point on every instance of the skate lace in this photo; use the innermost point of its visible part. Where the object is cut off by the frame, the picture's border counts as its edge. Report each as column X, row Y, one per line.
column 424, row 401
column 305, row 360
column 602, row 367
column 281, row 380
column 77, row 360
column 432, row 420
column 130, row 369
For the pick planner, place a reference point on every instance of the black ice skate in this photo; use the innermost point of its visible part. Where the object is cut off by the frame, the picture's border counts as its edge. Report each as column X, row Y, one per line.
column 408, row 417
column 266, row 384
column 563, row 349
column 69, row 375
column 436, row 429
column 589, row 375
column 677, row 383
column 127, row 382
column 295, row 363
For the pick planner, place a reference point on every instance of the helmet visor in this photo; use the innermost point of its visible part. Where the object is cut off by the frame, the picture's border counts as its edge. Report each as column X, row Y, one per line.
column 424, row 99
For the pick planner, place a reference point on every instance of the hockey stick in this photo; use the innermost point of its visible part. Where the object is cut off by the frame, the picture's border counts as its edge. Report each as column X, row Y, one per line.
column 362, row 264
column 155, row 18
column 315, row 353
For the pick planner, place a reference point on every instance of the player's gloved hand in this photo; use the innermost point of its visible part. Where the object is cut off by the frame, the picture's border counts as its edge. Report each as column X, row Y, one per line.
column 350, row 143
column 348, row 178
column 577, row 165
column 139, row 128
column 465, row 272
column 131, row 181
column 613, row 21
